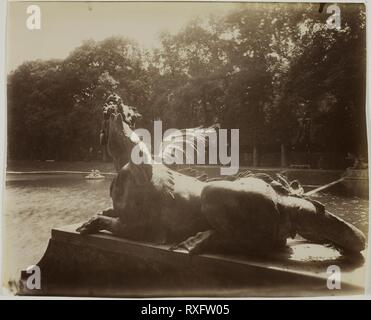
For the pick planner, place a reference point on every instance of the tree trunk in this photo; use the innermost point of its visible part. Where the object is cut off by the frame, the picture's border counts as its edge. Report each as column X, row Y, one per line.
column 104, row 153
column 255, row 156
column 283, row 155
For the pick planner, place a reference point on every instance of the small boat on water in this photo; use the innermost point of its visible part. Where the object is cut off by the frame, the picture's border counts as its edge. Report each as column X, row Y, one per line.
column 94, row 175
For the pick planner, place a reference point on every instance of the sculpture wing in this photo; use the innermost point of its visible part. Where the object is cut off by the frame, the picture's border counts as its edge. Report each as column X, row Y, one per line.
column 163, row 180
column 180, row 140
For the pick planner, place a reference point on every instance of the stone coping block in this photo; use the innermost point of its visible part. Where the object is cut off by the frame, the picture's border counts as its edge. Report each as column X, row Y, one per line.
column 105, row 265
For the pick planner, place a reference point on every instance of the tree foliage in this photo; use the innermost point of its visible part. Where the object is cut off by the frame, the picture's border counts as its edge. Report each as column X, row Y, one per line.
column 264, row 69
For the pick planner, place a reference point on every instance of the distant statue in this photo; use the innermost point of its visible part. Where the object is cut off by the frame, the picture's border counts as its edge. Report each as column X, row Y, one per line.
column 359, row 162
column 247, row 212
column 321, row 7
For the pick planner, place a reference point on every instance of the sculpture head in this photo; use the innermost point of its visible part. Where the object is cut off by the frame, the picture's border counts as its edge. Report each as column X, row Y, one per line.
column 118, row 120
column 114, row 104
column 313, row 222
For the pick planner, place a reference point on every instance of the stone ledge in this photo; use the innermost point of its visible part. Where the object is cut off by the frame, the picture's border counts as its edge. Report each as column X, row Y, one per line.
column 104, row 265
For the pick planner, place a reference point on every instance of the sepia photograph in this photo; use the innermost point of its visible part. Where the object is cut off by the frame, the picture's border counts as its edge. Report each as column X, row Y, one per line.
column 185, row 149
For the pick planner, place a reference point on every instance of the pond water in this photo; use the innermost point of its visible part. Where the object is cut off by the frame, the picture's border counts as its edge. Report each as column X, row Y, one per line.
column 36, row 203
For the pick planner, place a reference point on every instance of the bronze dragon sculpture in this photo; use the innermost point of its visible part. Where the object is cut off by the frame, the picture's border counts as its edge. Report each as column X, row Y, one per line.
column 152, row 202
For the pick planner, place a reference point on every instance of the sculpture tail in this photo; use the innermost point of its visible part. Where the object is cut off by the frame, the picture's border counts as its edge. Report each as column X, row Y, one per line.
column 325, row 227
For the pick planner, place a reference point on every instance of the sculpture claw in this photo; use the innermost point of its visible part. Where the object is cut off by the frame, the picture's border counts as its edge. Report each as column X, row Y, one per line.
column 89, row 227
column 82, row 230
column 194, row 244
